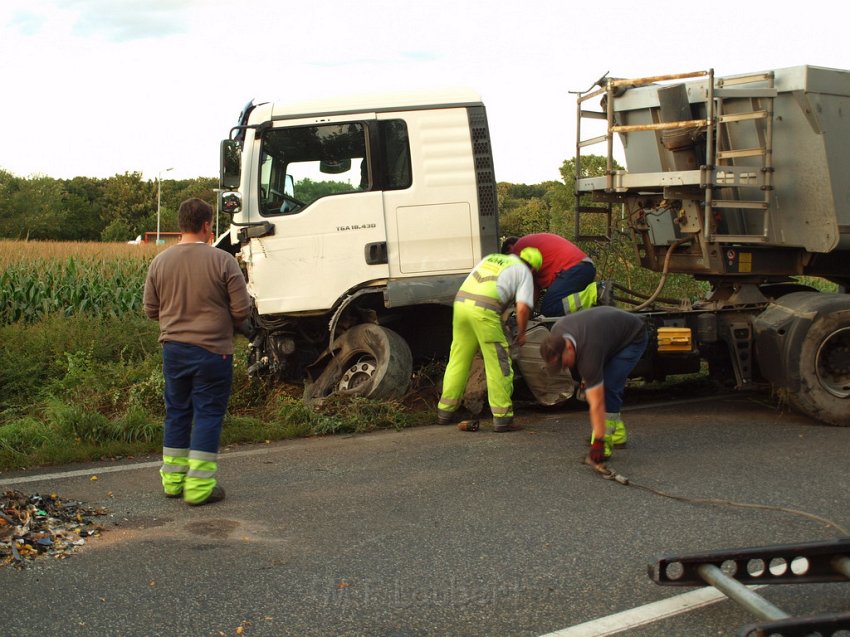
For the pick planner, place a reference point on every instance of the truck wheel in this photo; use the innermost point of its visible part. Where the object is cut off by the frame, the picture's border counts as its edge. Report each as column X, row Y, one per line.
column 369, row 361
column 825, row 370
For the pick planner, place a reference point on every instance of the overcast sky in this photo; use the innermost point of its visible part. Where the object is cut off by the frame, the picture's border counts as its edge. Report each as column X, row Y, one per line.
column 102, row 87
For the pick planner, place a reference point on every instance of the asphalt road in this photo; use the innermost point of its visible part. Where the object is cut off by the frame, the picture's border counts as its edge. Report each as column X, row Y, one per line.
column 433, row 531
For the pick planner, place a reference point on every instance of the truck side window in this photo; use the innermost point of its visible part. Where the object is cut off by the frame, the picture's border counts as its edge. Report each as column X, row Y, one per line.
column 395, row 154
column 301, row 164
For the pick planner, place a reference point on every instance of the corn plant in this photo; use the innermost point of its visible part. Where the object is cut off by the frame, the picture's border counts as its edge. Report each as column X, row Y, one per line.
column 35, row 284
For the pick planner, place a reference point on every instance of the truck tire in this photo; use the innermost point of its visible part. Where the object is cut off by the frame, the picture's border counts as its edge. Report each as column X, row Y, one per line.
column 825, row 370
column 369, row 361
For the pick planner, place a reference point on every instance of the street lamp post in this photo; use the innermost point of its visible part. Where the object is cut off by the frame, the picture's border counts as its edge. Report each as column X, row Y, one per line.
column 159, row 200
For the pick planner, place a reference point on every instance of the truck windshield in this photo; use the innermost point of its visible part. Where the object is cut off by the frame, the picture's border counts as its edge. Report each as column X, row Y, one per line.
column 301, row 164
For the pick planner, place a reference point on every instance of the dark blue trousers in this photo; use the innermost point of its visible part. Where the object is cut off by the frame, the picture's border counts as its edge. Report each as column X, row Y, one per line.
column 616, row 371
column 197, row 389
column 566, row 282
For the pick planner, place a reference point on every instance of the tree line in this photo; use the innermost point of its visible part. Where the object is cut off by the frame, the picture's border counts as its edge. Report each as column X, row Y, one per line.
column 121, row 207
column 117, row 208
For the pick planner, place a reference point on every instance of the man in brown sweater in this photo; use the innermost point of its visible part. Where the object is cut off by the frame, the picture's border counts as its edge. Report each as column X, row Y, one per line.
column 198, row 295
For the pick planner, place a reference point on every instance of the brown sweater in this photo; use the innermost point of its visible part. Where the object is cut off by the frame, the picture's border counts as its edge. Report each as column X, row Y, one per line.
column 198, row 294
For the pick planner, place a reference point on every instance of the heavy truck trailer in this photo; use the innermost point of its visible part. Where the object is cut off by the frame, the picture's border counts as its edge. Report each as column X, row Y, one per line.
column 736, row 181
column 741, row 182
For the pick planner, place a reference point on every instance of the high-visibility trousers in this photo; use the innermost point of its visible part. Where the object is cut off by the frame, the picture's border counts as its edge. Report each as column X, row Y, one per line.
column 581, row 300
column 189, row 473
column 476, row 328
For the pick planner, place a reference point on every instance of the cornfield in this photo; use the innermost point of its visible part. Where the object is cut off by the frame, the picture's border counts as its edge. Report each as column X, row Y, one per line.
column 56, row 278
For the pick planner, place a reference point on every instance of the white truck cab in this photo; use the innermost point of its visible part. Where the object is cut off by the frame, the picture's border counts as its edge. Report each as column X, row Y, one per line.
column 368, row 210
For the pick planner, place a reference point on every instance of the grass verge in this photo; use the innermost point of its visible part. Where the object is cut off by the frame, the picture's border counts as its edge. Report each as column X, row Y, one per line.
column 81, row 388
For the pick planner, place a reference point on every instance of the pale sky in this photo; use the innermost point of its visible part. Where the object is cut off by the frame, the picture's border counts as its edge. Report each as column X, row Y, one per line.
column 102, row 87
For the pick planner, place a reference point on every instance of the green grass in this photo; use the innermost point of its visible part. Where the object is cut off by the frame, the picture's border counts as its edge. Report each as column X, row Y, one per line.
column 84, row 388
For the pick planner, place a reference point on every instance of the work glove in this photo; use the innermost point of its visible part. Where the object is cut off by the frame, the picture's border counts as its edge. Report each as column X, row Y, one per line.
column 597, row 451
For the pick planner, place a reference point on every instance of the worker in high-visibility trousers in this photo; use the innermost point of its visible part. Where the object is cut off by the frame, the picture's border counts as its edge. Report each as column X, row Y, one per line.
column 498, row 281
column 567, row 276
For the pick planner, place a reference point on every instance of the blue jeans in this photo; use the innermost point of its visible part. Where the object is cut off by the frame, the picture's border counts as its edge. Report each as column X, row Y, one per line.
column 617, row 370
column 197, row 388
column 566, row 282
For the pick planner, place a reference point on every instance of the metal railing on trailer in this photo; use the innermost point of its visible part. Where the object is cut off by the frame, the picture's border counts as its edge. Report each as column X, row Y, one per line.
column 722, row 170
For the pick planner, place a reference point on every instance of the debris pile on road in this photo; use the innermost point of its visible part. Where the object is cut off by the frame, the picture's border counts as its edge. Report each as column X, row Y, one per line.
column 33, row 526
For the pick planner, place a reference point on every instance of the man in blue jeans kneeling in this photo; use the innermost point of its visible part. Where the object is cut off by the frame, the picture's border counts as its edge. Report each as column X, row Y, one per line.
column 601, row 345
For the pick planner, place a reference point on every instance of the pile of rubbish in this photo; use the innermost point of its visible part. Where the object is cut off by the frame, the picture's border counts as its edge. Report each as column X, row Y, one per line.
column 34, row 526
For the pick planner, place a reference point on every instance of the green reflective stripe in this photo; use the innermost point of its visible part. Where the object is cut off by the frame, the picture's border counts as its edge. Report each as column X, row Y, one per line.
column 175, row 452
column 590, row 294
column 200, row 480
column 198, row 489
column 201, row 468
column 448, row 405
column 481, row 278
column 204, row 456
column 580, row 300
column 173, row 471
column 501, row 412
column 480, row 300
column 480, row 286
column 174, row 464
column 173, row 468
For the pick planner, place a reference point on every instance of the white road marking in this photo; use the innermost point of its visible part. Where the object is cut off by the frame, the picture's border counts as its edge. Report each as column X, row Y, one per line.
column 643, row 615
column 124, row 467
column 80, row 472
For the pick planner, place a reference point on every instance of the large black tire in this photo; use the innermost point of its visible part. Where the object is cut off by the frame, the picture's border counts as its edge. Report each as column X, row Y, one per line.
column 825, row 370
column 369, row 361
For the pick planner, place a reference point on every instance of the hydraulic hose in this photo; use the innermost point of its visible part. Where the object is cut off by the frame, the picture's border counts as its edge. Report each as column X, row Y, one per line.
column 610, row 474
column 664, row 273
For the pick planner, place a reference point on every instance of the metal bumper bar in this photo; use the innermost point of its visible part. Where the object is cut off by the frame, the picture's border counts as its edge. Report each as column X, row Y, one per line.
column 731, row 571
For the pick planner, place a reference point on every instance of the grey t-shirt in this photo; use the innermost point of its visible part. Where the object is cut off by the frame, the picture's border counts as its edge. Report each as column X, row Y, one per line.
column 598, row 333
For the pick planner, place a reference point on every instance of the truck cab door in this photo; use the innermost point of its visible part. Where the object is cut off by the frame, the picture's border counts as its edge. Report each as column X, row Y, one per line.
column 329, row 231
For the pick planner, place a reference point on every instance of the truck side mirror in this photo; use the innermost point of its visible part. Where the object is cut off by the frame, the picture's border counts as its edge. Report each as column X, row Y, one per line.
column 231, row 164
column 229, row 202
